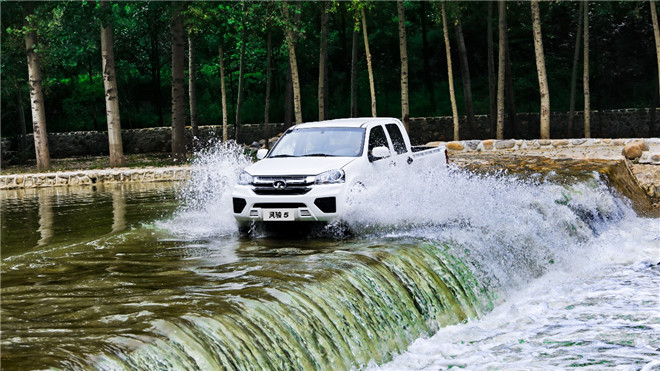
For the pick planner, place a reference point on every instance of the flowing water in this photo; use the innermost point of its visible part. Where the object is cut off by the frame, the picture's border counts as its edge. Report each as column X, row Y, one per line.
column 441, row 269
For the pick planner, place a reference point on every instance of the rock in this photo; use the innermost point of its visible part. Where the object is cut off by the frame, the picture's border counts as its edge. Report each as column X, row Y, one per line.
column 560, row 143
column 433, row 144
column 488, row 144
column 545, row 142
column 577, row 142
column 634, row 149
column 455, row 146
column 472, row 144
column 505, row 144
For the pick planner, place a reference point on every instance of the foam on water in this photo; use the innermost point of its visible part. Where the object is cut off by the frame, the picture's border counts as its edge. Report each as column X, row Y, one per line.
column 600, row 309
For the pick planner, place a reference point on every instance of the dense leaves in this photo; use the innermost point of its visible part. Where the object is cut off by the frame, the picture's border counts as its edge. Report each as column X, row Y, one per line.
column 623, row 64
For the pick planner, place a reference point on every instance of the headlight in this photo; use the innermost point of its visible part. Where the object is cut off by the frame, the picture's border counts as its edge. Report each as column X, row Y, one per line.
column 244, row 178
column 330, row 177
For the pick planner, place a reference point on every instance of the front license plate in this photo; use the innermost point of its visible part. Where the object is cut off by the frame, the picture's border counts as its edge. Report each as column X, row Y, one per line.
column 278, row 215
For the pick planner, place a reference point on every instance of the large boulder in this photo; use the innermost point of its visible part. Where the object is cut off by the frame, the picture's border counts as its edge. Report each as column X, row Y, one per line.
column 633, row 150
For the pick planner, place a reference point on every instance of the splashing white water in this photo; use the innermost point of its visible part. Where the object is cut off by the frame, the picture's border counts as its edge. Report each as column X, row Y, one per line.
column 601, row 309
column 207, row 195
column 511, row 229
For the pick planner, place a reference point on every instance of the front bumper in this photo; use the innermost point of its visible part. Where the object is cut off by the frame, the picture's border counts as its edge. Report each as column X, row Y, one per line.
column 324, row 202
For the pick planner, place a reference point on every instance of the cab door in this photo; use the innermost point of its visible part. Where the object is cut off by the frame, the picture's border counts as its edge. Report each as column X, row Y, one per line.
column 400, row 154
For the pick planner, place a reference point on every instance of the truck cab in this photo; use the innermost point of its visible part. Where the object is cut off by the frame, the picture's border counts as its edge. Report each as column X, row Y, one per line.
column 310, row 173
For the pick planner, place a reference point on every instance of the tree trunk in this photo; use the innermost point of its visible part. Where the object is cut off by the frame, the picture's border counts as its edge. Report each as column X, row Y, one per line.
column 501, row 60
column 654, row 107
column 492, row 87
column 22, row 143
column 37, row 102
column 111, row 96
column 372, row 85
column 288, row 98
column 241, row 82
column 585, row 76
column 656, row 33
column 92, row 100
column 178, row 88
column 155, row 73
column 465, row 76
column 323, row 62
column 354, row 52
column 450, row 74
column 192, row 88
column 509, row 99
column 428, row 81
column 540, row 68
column 269, row 48
column 576, row 58
column 223, row 93
column 297, row 106
column 403, row 53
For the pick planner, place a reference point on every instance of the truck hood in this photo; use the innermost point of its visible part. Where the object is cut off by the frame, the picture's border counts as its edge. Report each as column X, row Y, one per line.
column 297, row 165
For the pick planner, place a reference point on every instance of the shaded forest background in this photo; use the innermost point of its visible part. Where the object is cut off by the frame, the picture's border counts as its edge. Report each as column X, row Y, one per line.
column 623, row 67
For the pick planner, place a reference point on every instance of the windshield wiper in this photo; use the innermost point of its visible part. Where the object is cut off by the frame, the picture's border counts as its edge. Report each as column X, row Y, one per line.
column 281, row 156
column 318, row 155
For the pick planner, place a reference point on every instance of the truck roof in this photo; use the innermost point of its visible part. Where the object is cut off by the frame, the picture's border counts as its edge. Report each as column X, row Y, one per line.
column 355, row 122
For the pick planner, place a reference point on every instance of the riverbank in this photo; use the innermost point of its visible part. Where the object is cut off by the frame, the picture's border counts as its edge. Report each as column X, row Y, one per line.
column 483, row 155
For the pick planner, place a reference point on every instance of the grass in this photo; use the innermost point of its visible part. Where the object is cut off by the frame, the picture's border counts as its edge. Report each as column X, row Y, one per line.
column 91, row 163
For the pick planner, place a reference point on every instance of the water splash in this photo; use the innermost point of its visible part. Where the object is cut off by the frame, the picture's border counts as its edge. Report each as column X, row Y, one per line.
column 206, row 198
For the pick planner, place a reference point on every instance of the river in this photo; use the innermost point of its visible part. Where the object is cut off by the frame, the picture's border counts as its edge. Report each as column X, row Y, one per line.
column 440, row 270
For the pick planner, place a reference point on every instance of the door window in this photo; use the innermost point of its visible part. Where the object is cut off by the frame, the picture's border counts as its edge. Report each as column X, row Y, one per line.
column 397, row 138
column 377, row 138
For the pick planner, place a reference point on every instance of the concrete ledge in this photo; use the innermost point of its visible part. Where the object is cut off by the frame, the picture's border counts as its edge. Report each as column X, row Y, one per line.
column 90, row 177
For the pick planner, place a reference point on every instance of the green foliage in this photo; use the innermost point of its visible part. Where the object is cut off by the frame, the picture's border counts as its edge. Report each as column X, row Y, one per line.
column 623, row 57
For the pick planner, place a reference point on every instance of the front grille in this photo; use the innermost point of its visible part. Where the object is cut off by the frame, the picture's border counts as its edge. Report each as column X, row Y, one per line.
column 280, row 205
column 282, row 186
column 275, row 192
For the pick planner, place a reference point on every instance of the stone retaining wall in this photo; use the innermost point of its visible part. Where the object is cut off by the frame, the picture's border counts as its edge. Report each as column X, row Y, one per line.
column 624, row 123
column 90, row 177
column 621, row 123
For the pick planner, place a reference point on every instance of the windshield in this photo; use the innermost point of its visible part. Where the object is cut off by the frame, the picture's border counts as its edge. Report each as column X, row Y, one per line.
column 336, row 142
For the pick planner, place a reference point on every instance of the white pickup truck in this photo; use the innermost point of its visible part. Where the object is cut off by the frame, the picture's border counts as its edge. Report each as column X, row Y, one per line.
column 310, row 172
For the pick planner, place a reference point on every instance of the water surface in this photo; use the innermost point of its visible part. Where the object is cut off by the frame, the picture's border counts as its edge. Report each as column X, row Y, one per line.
column 453, row 269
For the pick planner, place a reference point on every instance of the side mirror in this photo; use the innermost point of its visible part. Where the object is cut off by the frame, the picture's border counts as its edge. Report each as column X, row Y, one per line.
column 262, row 153
column 380, row 152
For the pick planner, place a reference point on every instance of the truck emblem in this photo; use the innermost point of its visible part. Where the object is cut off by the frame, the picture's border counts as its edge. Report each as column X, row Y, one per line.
column 279, row 184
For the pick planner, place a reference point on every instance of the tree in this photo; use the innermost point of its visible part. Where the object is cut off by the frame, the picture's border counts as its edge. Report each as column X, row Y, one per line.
column 288, row 29
column 465, row 75
column 178, row 87
column 110, row 85
column 372, row 85
column 269, row 57
column 354, row 53
column 450, row 74
column 540, row 67
column 323, row 62
column 492, row 88
column 501, row 60
column 241, row 73
column 656, row 33
column 585, row 76
column 576, row 57
column 36, row 94
column 403, row 53
column 223, row 92
column 192, row 86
